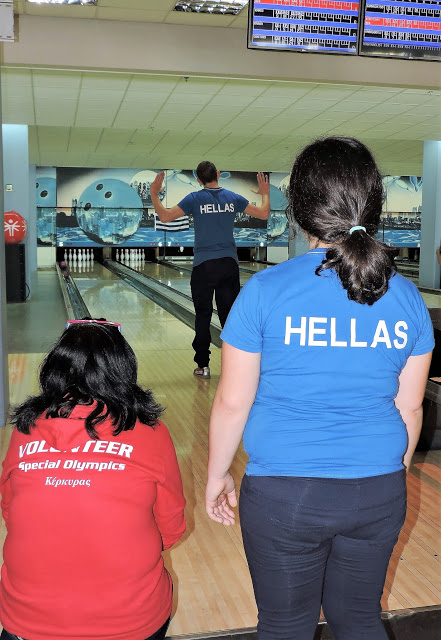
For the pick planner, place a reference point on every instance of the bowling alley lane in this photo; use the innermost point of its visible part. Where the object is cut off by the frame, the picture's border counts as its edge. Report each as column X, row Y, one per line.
column 108, row 296
column 179, row 280
column 254, row 266
column 432, row 299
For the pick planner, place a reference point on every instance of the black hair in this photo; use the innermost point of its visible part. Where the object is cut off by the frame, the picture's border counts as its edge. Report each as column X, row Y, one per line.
column 90, row 363
column 206, row 172
column 335, row 185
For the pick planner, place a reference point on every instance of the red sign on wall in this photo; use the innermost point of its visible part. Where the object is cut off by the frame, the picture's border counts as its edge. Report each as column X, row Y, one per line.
column 15, row 227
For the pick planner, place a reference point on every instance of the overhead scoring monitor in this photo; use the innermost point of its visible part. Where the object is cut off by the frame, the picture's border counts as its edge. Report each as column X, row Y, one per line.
column 318, row 26
column 403, row 29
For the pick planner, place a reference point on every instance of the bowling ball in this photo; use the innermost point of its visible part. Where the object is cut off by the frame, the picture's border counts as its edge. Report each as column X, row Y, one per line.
column 15, row 227
column 109, row 211
column 63, row 265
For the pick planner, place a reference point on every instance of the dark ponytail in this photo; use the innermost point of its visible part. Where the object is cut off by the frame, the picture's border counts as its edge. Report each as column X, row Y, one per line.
column 335, row 185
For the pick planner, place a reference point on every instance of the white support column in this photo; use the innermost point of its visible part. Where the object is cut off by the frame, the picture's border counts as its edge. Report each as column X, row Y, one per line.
column 431, row 215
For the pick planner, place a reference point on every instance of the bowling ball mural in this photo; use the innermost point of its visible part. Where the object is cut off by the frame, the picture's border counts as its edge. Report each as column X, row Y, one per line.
column 46, row 202
column 109, row 211
column 141, row 182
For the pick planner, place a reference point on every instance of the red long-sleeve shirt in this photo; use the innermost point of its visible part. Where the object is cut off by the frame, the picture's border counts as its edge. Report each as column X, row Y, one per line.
column 87, row 521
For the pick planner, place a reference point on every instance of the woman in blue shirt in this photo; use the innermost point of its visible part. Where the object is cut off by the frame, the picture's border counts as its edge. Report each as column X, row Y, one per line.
column 324, row 366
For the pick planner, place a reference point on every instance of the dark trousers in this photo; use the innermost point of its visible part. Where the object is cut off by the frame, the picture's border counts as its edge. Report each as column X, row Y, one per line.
column 219, row 277
column 159, row 635
column 320, row 541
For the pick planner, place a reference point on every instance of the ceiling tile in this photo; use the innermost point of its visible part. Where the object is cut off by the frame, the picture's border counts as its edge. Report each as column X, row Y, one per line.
column 130, row 15
column 60, row 11
column 148, row 5
column 202, row 19
column 63, row 80
column 16, row 77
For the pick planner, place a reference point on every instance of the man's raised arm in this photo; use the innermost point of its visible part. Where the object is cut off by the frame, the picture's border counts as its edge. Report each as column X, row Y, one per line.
column 164, row 214
column 263, row 188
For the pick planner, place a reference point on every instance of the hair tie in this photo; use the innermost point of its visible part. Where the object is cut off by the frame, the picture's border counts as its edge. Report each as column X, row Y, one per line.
column 352, row 229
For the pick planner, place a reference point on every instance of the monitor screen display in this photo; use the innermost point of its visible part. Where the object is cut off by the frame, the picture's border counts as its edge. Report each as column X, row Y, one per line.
column 318, row 26
column 403, row 29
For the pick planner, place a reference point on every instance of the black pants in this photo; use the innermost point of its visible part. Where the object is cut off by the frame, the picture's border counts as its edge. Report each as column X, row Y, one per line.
column 320, row 541
column 221, row 278
column 159, row 635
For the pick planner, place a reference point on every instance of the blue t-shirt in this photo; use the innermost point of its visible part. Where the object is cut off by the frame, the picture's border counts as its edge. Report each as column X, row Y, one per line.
column 213, row 211
column 329, row 371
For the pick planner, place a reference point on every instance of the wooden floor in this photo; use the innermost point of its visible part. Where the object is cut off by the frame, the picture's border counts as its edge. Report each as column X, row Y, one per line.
column 212, row 585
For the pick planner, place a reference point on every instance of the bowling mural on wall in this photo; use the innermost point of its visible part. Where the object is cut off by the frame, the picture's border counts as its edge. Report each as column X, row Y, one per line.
column 401, row 219
column 79, row 207
column 112, row 207
column 46, row 198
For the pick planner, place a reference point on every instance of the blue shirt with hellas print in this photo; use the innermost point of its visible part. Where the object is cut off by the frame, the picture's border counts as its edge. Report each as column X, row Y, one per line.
column 213, row 211
column 329, row 370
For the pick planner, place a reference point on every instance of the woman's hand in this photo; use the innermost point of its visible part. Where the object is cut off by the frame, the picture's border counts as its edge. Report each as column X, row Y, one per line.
column 220, row 496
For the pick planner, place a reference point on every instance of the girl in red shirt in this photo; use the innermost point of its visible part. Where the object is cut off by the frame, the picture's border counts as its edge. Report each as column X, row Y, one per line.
column 91, row 495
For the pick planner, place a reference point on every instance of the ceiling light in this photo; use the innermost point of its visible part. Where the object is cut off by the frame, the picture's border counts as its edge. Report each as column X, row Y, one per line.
column 64, row 1
column 225, row 7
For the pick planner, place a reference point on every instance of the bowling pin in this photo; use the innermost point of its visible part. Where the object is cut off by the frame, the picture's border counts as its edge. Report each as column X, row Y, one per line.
column 92, row 256
column 117, row 255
